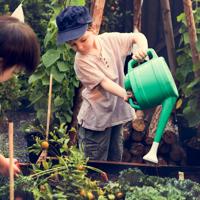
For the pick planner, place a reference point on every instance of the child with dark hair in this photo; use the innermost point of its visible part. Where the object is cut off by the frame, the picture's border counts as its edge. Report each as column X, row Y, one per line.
column 19, row 50
column 99, row 65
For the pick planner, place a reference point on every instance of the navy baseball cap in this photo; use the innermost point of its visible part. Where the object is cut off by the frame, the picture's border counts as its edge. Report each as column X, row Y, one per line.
column 72, row 23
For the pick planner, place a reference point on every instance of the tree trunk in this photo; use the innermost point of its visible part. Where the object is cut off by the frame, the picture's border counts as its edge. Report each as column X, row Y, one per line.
column 187, row 4
column 169, row 35
column 137, row 15
column 97, row 14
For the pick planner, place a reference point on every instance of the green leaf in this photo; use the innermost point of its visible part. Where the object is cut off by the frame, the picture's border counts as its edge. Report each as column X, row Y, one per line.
column 198, row 45
column 68, row 117
column 62, row 66
column 50, row 57
column 58, row 101
column 76, row 3
column 49, row 37
column 186, row 38
column 75, row 82
column 37, row 98
column 193, row 117
column 57, row 75
column 45, row 80
column 194, row 82
column 37, row 75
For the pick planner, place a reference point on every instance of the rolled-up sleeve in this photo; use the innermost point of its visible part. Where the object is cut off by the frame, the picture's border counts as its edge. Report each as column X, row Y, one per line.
column 88, row 73
column 124, row 41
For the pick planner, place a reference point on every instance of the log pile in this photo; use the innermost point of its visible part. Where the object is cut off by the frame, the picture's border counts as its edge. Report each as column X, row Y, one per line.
column 139, row 135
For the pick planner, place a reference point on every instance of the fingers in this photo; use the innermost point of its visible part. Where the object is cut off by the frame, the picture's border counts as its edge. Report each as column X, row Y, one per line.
column 139, row 55
column 129, row 94
column 16, row 170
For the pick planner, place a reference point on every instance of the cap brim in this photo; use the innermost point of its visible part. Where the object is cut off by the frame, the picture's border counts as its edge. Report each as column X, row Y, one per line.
column 66, row 36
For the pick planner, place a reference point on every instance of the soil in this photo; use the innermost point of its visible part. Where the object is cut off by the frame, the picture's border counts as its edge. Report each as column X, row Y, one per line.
column 20, row 120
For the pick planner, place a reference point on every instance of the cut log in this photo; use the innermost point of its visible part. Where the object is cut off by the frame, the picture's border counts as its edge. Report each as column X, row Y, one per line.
column 170, row 130
column 162, row 161
column 126, row 156
column 169, row 137
column 137, row 149
column 127, row 130
column 136, row 159
column 137, row 136
column 164, row 148
column 138, row 124
column 177, row 153
column 194, row 143
column 149, row 138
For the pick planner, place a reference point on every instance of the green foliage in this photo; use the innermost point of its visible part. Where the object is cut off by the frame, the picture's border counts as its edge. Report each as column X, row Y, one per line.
column 37, row 14
column 10, row 95
column 117, row 16
column 63, row 178
column 58, row 61
column 189, row 84
column 137, row 185
column 16, row 91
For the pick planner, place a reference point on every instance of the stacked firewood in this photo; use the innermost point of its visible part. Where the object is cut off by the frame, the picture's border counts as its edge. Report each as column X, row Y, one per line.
column 139, row 135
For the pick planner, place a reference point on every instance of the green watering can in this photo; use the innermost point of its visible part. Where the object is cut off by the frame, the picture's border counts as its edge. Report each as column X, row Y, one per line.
column 152, row 84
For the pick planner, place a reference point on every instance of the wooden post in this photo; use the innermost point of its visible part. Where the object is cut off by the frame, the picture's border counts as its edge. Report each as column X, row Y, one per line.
column 169, row 35
column 11, row 156
column 137, row 15
column 187, row 4
column 97, row 14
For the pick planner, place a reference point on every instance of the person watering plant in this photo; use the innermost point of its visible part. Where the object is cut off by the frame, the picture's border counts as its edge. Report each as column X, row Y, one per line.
column 19, row 51
column 99, row 65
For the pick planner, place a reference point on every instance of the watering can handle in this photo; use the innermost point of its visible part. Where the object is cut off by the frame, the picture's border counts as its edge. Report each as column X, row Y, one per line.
column 133, row 63
column 133, row 105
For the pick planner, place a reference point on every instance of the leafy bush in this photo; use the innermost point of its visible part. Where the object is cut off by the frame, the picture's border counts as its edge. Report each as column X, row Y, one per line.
column 136, row 185
column 58, row 61
column 189, row 85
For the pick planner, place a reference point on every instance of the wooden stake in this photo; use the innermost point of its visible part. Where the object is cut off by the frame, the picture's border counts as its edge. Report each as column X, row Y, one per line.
column 43, row 155
column 11, row 156
column 49, row 107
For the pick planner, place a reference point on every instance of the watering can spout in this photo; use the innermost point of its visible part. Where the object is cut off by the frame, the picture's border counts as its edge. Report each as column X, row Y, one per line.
column 167, row 107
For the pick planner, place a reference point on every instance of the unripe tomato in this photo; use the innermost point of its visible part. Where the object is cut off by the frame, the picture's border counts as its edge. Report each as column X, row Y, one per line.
column 42, row 188
column 80, row 167
column 100, row 192
column 90, row 195
column 45, row 145
column 119, row 195
column 82, row 193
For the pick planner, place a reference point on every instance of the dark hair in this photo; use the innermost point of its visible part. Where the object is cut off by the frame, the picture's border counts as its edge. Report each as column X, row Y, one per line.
column 18, row 45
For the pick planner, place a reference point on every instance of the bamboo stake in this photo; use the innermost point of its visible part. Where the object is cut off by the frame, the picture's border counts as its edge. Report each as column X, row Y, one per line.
column 43, row 155
column 49, row 107
column 11, row 156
